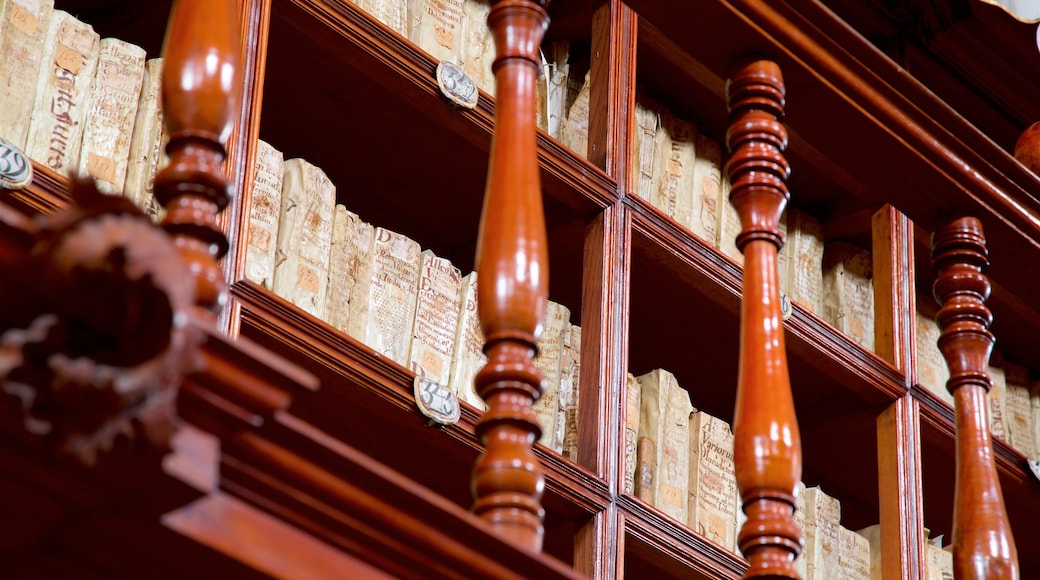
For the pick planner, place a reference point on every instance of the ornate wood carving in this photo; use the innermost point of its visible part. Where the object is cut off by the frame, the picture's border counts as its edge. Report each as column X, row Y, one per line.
column 767, row 444
column 512, row 266
column 200, row 93
column 983, row 546
column 95, row 354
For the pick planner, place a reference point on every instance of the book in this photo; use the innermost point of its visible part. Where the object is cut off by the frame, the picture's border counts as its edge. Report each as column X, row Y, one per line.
column 646, row 456
column 674, row 172
column 648, row 125
column 66, row 75
column 707, row 187
column 1019, row 417
column 664, row 417
column 998, row 401
column 436, row 318
column 478, row 45
column 384, row 313
column 848, row 292
column 468, row 357
column 801, row 565
column 556, row 69
column 729, row 225
column 264, row 210
column 938, row 562
column 143, row 157
column 549, row 360
column 632, row 399
column 301, row 267
column 822, row 523
column 932, row 372
column 570, row 380
column 712, row 496
column 350, row 256
column 854, row 554
column 393, row 13
column 804, row 249
column 574, row 131
column 436, row 27
column 109, row 125
column 24, row 29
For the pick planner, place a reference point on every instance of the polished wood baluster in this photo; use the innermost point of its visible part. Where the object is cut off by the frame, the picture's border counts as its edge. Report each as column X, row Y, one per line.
column 767, row 444
column 201, row 94
column 512, row 289
column 982, row 543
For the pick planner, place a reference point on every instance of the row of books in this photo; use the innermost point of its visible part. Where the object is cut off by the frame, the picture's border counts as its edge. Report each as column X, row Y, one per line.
column 1014, row 398
column 379, row 286
column 457, row 31
column 680, row 460
column 76, row 102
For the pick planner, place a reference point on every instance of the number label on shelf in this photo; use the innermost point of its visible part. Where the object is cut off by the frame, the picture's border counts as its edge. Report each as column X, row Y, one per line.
column 436, row 401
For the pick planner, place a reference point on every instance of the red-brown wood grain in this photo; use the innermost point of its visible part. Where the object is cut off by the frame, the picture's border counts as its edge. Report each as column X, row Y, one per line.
column 767, row 443
column 983, row 546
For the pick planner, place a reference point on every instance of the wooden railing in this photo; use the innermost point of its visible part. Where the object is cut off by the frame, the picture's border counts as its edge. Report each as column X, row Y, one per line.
column 983, row 546
column 767, row 444
column 512, row 285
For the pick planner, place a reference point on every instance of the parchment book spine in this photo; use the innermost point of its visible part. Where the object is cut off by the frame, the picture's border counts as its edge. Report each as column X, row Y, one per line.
column 109, row 125
column 66, row 77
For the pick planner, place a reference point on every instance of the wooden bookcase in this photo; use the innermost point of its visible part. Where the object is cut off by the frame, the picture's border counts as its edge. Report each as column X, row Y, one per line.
column 881, row 154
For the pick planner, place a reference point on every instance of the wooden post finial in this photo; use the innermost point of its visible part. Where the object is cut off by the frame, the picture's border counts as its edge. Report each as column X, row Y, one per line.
column 983, row 546
column 767, row 443
column 200, row 95
column 512, row 289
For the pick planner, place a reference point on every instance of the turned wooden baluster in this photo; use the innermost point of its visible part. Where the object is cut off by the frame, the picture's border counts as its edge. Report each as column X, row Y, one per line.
column 200, row 96
column 982, row 543
column 767, row 445
column 512, row 289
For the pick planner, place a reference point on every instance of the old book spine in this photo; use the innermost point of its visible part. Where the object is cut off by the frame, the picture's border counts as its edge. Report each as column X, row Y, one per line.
column 350, row 258
column 729, row 225
column 469, row 345
column 848, row 293
column 436, row 26
column 1019, row 416
column 574, row 132
column 143, row 158
column 570, row 379
column 648, row 124
column 675, row 190
column 393, row 13
column 938, row 563
column 707, row 186
column 66, row 76
column 998, row 403
column 805, row 263
column 301, row 267
column 873, row 536
column 646, row 458
column 264, row 210
column 853, row 555
column 436, row 318
column 801, row 564
column 391, row 293
column 151, row 206
column 632, row 398
column 822, row 522
column 478, row 46
column 712, row 497
column 24, row 29
column 109, row 125
column 664, row 417
column 932, row 372
column 556, row 74
column 549, row 361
